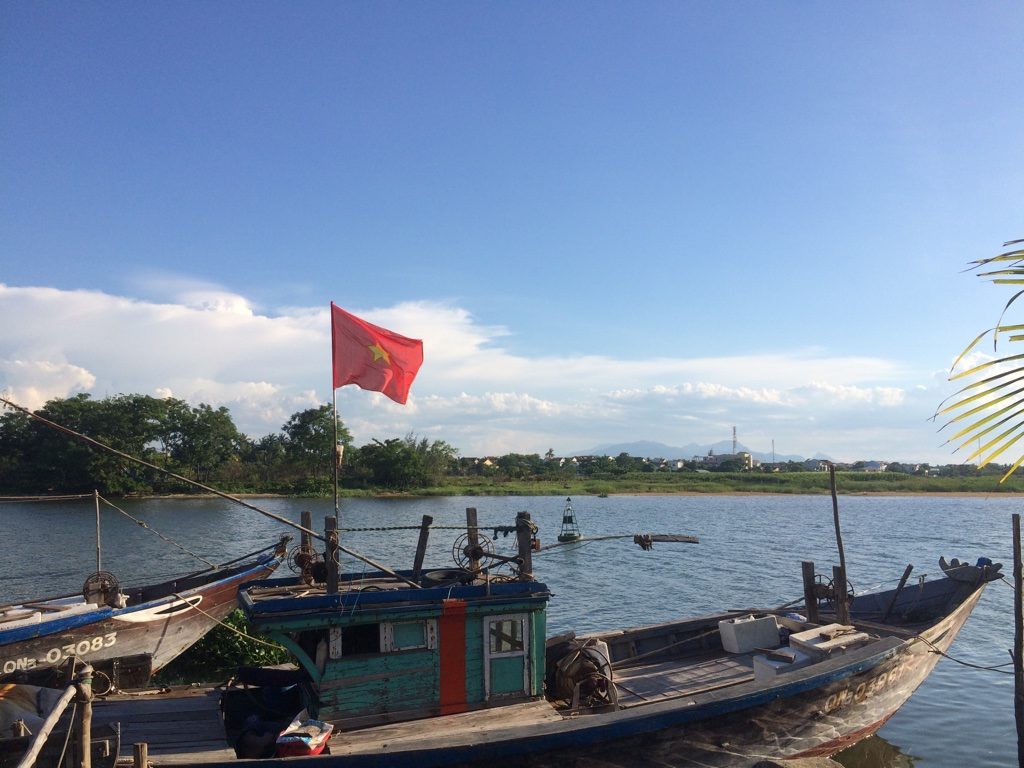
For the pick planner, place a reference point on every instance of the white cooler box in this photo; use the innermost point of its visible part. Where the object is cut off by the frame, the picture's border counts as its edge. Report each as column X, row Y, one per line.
column 749, row 633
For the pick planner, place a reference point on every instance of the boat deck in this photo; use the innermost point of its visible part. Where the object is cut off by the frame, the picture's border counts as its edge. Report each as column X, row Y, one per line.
column 682, row 677
column 184, row 726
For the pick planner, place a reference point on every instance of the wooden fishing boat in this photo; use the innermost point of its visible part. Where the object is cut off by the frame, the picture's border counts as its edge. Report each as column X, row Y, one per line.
column 127, row 634
column 452, row 668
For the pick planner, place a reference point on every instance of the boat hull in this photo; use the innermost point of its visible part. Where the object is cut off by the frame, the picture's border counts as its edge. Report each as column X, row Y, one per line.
column 813, row 712
column 126, row 644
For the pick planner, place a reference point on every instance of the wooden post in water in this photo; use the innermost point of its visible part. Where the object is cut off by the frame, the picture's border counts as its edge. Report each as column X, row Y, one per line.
column 841, row 597
column 810, row 598
column 524, row 538
column 140, row 755
column 472, row 539
column 421, row 547
column 331, row 554
column 1018, row 639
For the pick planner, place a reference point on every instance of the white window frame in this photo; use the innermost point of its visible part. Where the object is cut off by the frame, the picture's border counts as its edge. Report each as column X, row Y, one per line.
column 387, row 636
column 524, row 623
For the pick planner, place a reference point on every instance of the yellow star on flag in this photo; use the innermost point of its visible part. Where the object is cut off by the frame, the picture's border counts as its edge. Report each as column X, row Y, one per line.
column 379, row 353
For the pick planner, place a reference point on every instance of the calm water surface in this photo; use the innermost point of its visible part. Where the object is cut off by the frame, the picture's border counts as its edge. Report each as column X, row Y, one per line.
column 749, row 555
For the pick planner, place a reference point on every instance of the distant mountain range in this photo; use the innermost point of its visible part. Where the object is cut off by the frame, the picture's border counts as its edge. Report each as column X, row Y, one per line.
column 646, row 449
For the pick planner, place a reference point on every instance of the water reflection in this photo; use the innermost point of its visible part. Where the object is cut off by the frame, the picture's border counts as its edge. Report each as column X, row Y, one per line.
column 874, row 752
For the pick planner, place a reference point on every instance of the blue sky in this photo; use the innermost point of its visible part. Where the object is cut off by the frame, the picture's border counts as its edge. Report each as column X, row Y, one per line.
column 608, row 222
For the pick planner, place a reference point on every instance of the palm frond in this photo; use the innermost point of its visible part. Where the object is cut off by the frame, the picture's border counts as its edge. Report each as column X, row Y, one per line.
column 991, row 408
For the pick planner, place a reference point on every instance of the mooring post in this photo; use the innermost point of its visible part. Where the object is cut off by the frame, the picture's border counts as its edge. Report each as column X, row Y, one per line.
column 331, row 554
column 306, row 540
column 810, row 598
column 83, row 697
column 421, row 547
column 841, row 596
column 472, row 539
column 524, row 538
column 1018, row 639
column 140, row 755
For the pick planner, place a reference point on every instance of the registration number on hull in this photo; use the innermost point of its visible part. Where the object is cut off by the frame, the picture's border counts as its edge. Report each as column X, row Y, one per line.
column 58, row 654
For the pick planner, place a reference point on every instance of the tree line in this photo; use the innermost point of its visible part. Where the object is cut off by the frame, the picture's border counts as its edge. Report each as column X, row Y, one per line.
column 201, row 443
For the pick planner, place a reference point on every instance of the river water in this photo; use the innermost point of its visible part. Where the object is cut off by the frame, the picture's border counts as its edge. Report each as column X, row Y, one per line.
column 749, row 556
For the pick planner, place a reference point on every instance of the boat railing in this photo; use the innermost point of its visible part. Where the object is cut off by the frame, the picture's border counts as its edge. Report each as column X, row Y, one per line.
column 79, row 691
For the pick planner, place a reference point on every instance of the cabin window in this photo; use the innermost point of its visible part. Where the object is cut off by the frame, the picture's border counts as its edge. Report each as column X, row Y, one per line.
column 358, row 639
column 409, row 635
column 506, row 652
column 506, row 636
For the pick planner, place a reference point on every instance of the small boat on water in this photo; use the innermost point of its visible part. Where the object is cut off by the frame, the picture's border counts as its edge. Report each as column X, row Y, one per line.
column 126, row 633
column 453, row 667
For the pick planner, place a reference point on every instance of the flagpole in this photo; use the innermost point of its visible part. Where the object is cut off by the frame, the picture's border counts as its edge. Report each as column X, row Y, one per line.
column 334, row 397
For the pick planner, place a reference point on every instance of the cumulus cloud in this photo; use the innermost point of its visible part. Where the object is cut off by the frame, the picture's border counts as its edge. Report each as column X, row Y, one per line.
column 203, row 343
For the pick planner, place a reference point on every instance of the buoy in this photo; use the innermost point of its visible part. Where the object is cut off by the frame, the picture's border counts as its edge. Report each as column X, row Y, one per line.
column 570, row 531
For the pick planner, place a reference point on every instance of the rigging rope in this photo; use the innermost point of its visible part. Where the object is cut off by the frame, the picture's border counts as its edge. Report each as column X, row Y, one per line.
column 173, row 543
column 994, row 668
column 17, row 499
column 233, row 629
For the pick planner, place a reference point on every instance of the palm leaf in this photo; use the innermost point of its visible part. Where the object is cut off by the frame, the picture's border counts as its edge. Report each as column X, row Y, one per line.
column 993, row 402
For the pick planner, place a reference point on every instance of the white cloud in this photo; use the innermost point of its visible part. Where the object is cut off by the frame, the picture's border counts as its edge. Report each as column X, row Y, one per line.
column 202, row 343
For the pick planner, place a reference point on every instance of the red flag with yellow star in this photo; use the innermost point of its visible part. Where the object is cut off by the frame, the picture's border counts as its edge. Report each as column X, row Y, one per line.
column 372, row 357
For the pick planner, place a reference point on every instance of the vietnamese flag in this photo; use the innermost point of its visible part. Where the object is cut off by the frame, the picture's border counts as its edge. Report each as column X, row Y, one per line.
column 372, row 357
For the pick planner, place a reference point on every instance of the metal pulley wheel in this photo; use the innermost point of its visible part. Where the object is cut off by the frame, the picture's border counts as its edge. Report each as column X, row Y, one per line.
column 464, row 552
column 99, row 587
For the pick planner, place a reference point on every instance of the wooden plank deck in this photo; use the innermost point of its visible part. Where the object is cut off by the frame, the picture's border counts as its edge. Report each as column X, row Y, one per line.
column 460, row 726
column 674, row 678
column 181, row 727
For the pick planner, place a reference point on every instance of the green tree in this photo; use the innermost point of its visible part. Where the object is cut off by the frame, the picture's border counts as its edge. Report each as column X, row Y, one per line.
column 309, row 440
column 392, row 464
column 201, row 439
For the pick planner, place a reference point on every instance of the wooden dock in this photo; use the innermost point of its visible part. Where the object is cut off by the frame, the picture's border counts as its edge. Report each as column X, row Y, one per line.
column 182, row 726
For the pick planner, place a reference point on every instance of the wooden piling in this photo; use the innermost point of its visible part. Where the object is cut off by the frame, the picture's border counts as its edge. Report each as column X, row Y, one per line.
column 472, row 539
column 140, row 755
column 331, row 555
column 810, row 598
column 306, row 540
column 1018, row 640
column 840, row 595
column 524, row 538
column 421, row 547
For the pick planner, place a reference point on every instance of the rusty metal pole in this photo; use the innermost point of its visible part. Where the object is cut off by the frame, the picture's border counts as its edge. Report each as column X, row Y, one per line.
column 1018, row 639
column 83, row 697
column 835, row 518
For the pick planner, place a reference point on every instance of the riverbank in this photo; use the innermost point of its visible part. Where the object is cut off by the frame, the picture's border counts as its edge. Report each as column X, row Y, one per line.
column 678, row 484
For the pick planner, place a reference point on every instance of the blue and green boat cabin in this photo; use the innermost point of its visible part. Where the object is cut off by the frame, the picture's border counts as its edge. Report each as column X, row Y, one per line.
column 381, row 650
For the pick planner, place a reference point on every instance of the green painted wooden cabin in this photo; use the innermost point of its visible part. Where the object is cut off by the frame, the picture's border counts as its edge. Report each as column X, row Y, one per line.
column 379, row 650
